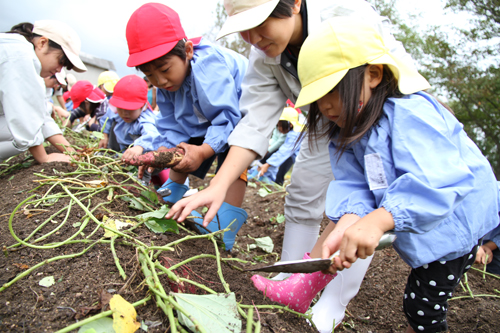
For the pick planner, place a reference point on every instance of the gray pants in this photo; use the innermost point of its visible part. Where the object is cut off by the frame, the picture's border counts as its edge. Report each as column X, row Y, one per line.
column 311, row 175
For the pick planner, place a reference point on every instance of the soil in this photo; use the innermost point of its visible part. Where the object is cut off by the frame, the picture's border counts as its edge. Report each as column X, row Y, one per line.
column 85, row 283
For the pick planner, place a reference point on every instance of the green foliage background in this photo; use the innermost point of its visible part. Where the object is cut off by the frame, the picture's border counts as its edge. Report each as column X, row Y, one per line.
column 462, row 64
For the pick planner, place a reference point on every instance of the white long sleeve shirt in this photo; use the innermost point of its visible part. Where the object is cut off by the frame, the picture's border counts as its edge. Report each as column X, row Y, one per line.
column 267, row 85
column 22, row 96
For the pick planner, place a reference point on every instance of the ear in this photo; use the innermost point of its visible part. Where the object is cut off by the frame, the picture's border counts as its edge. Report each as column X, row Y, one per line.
column 41, row 42
column 189, row 50
column 375, row 74
column 296, row 7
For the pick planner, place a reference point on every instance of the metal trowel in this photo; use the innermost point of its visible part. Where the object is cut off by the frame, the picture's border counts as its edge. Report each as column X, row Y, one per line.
column 317, row 264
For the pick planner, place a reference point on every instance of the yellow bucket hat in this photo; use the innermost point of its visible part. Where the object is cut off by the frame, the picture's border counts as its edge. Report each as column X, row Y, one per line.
column 109, row 80
column 291, row 115
column 341, row 44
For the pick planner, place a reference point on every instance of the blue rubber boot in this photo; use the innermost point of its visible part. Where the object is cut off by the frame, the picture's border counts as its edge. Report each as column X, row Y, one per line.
column 226, row 214
column 172, row 192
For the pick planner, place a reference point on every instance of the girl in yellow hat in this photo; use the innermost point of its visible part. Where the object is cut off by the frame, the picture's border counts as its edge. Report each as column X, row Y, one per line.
column 402, row 162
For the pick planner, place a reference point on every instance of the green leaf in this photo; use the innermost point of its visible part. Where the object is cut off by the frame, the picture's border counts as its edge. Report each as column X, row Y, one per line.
column 150, row 196
column 47, row 281
column 12, row 177
column 265, row 243
column 280, row 218
column 101, row 325
column 263, row 192
column 98, row 135
column 77, row 224
column 204, row 210
column 215, row 313
column 156, row 222
column 133, row 203
column 252, row 184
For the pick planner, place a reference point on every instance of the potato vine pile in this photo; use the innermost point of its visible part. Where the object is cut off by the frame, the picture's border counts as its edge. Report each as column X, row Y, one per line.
column 99, row 174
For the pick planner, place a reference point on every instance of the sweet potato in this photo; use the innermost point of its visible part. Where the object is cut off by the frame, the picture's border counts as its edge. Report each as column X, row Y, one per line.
column 158, row 159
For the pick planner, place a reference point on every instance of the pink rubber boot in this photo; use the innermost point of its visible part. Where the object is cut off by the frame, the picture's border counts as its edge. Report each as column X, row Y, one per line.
column 297, row 291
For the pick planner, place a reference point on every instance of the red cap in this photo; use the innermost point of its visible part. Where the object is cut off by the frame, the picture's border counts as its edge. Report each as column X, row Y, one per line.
column 66, row 95
column 146, row 43
column 131, row 93
column 83, row 90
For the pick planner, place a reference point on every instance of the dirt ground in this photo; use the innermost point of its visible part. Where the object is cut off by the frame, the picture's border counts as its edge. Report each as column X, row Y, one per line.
column 83, row 283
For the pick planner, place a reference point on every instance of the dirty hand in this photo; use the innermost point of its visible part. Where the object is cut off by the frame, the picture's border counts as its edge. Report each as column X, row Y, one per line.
column 193, row 158
column 132, row 152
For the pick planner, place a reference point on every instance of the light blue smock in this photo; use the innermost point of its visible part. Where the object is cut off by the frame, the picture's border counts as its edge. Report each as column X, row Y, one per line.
column 419, row 164
column 289, row 148
column 207, row 104
column 135, row 132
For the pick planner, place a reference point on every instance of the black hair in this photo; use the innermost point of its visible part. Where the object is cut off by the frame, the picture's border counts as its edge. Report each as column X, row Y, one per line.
column 25, row 29
column 355, row 125
column 285, row 125
column 179, row 50
column 283, row 9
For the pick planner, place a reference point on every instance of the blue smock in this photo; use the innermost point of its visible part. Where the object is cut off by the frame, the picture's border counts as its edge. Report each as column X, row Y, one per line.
column 419, row 164
column 207, row 103
column 135, row 132
column 289, row 148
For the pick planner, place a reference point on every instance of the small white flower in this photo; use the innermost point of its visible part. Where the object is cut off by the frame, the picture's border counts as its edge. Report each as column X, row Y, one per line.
column 432, row 283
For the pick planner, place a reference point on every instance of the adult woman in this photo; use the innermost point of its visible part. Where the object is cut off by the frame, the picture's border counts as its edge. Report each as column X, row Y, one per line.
column 277, row 29
column 28, row 53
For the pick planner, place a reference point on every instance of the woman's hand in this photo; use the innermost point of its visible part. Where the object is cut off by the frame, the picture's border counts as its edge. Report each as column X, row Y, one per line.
column 211, row 197
column 56, row 157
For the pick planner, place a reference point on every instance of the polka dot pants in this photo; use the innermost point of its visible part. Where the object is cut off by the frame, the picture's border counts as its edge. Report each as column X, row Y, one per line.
column 428, row 289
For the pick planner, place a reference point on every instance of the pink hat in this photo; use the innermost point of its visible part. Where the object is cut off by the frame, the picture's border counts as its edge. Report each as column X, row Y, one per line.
column 146, row 44
column 84, row 90
column 131, row 93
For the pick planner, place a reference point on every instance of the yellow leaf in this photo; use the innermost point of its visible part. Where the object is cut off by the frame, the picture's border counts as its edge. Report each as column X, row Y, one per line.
column 110, row 223
column 115, row 224
column 124, row 315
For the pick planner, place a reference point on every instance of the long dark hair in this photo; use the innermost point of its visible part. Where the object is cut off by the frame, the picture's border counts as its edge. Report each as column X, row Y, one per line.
column 26, row 30
column 355, row 125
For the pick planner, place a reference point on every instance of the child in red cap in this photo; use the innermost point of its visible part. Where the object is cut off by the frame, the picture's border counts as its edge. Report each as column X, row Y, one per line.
column 199, row 86
column 87, row 100
column 131, row 117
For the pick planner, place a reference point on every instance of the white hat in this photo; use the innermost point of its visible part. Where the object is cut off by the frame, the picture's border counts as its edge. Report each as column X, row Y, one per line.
column 61, row 77
column 245, row 14
column 66, row 37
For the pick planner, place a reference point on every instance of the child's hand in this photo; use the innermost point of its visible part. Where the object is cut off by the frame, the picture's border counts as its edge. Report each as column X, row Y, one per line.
column 361, row 239
column 263, row 169
column 332, row 242
column 103, row 143
column 195, row 156
column 482, row 252
column 132, row 152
